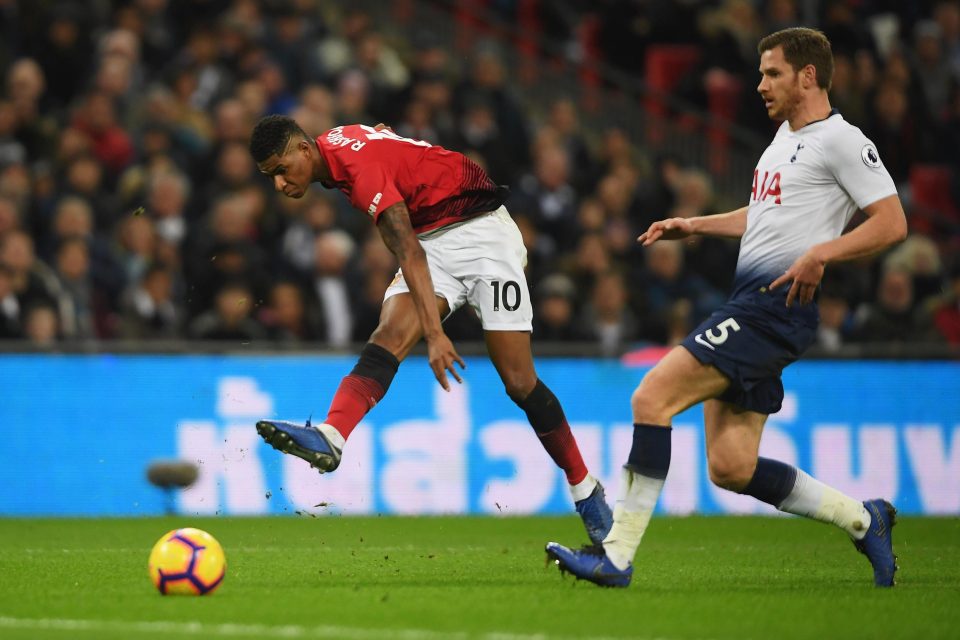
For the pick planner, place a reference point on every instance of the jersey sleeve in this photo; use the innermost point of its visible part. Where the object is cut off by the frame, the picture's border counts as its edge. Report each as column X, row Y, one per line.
column 855, row 163
column 373, row 188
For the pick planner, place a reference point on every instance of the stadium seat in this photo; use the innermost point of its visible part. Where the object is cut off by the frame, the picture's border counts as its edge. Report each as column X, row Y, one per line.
column 588, row 36
column 723, row 100
column 665, row 66
column 933, row 206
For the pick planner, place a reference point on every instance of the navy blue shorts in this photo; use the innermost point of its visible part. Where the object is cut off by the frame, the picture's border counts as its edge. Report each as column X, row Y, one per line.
column 750, row 340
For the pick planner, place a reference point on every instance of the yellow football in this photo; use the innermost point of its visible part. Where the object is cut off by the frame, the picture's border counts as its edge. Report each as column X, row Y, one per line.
column 187, row 562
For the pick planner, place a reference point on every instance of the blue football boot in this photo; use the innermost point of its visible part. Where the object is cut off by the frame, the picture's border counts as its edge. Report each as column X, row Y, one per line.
column 877, row 545
column 589, row 563
column 596, row 514
column 305, row 442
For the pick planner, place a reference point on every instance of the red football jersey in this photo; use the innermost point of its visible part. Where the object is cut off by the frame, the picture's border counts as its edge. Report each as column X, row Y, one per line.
column 377, row 169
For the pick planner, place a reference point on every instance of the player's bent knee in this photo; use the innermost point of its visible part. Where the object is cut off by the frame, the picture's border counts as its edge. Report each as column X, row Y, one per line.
column 648, row 407
column 393, row 340
column 731, row 474
column 519, row 387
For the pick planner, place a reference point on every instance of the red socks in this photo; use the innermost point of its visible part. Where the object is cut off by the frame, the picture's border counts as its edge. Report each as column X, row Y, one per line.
column 355, row 396
column 362, row 388
column 562, row 447
column 548, row 420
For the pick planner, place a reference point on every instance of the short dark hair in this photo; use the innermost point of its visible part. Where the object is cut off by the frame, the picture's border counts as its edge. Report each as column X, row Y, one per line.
column 271, row 135
column 803, row 46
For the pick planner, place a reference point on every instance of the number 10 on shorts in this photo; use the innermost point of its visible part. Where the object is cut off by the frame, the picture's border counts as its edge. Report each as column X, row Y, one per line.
column 510, row 295
column 720, row 336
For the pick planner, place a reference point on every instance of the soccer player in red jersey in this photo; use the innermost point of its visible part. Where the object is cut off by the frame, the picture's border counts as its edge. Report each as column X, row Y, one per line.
column 443, row 218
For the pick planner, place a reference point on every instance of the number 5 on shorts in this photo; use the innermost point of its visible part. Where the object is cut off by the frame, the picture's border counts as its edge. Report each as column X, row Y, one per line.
column 721, row 335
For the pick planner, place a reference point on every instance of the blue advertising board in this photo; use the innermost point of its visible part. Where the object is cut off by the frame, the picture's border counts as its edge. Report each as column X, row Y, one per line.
column 80, row 430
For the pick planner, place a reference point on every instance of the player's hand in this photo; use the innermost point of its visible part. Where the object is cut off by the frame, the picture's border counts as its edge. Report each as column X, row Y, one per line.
column 380, row 127
column 442, row 356
column 669, row 229
column 805, row 274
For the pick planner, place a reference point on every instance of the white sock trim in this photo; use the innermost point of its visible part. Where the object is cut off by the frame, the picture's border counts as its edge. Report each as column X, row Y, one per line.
column 583, row 489
column 332, row 435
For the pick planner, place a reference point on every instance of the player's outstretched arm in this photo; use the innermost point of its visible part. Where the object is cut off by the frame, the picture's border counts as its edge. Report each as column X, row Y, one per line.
column 397, row 233
column 886, row 225
column 728, row 225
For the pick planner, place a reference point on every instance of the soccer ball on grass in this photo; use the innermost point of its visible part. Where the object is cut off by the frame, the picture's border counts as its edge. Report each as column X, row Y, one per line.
column 187, row 562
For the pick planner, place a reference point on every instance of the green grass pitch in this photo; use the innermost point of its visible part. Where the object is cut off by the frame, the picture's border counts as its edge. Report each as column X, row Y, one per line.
column 434, row 578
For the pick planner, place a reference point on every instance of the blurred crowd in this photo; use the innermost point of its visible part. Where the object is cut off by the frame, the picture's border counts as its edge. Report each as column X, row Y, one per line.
column 130, row 207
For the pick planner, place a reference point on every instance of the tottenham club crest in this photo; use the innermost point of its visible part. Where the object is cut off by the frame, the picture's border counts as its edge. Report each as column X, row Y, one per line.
column 870, row 156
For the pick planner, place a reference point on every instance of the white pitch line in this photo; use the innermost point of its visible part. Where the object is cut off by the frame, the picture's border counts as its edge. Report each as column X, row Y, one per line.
column 231, row 630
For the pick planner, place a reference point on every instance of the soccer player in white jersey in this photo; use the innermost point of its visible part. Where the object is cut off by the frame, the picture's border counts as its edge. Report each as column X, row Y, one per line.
column 818, row 170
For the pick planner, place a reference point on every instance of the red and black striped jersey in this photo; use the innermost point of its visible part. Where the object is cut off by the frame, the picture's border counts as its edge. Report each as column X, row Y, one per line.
column 376, row 169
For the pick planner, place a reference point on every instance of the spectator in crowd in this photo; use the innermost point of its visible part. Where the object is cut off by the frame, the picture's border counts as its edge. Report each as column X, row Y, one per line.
column 432, row 92
column 846, row 93
column 931, row 67
column 919, row 256
column 607, row 317
column 9, row 216
column 41, row 324
column 97, row 119
column 11, row 150
column 223, row 250
column 548, row 197
column 73, row 218
column 564, row 121
column 65, row 53
column 72, row 261
column 234, row 173
column 314, row 215
column 147, row 309
column 84, row 179
column 167, row 195
column 555, row 317
column 16, row 184
column 946, row 309
column 10, row 327
column 656, row 196
column 487, row 84
column 946, row 13
column 668, row 280
column 894, row 317
column 288, row 318
column 679, row 322
column 33, row 279
column 26, row 89
column 379, row 267
column 711, row 258
column 335, row 284
column 353, row 98
column 136, row 246
column 895, row 130
column 616, row 194
column 230, row 318
column 590, row 259
column 479, row 134
column 835, row 325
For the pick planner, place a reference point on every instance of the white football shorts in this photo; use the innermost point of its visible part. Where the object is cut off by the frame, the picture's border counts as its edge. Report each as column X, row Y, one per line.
column 479, row 262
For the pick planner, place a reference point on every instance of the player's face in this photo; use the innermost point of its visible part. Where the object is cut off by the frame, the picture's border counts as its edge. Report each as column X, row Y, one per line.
column 292, row 171
column 779, row 84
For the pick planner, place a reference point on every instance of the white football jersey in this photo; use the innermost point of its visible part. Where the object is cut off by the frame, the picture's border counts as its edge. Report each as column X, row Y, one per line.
column 806, row 187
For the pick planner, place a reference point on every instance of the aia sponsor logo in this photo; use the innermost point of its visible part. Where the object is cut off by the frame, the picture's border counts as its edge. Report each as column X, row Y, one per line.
column 768, row 187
